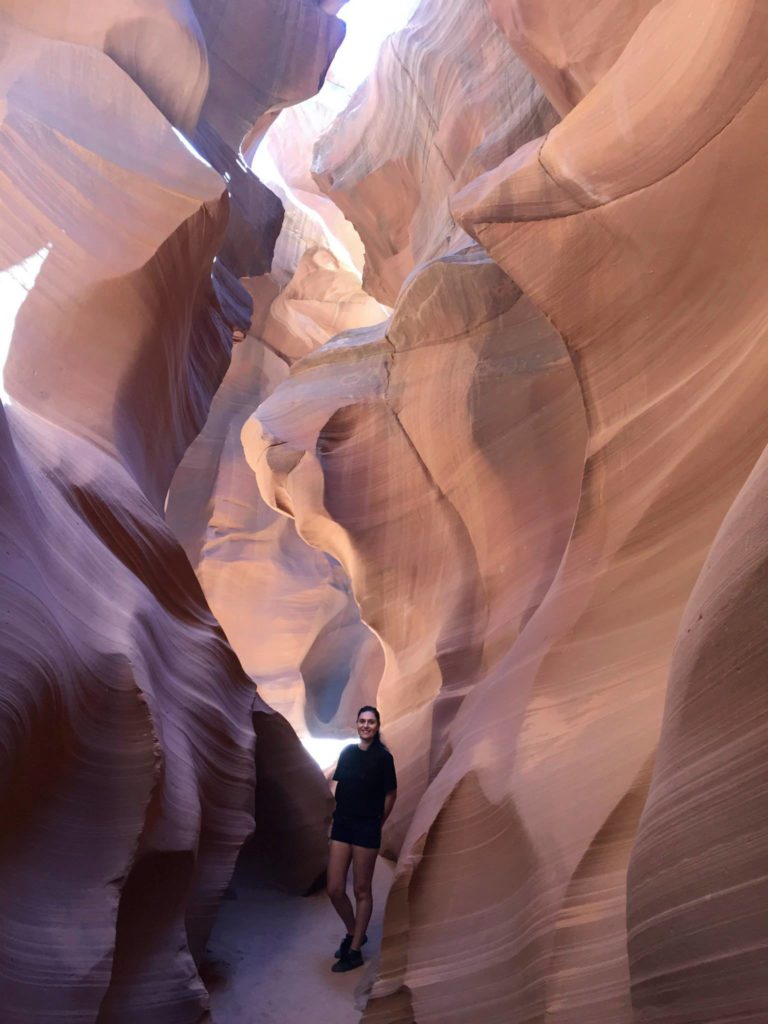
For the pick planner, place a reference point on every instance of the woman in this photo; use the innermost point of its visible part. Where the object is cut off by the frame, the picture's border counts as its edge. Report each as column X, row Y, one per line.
column 366, row 789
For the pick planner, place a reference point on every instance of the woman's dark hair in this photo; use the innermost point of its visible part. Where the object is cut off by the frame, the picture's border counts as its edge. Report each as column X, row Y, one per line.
column 376, row 741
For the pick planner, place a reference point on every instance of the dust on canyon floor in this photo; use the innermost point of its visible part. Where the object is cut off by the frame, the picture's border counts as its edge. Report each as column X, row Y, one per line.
column 269, row 957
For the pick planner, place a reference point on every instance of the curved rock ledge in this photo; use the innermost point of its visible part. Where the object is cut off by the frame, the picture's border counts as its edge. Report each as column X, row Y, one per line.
column 447, row 553
column 285, row 607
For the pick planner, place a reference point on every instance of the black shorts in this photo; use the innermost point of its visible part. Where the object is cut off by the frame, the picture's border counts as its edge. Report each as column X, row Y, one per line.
column 357, row 831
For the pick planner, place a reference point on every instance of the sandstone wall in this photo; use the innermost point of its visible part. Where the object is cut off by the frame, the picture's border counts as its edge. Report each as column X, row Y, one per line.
column 130, row 735
column 286, row 608
column 523, row 512
column 524, row 474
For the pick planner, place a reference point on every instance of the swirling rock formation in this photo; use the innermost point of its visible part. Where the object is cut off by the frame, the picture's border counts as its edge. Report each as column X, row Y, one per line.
column 129, row 732
column 544, row 477
column 461, row 341
column 157, row 43
column 283, row 161
column 285, row 607
column 106, row 295
column 127, row 784
column 524, row 475
column 467, row 101
column 569, row 47
column 263, row 57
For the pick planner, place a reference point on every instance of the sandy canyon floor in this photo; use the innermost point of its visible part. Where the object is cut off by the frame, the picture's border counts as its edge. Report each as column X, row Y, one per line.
column 270, row 955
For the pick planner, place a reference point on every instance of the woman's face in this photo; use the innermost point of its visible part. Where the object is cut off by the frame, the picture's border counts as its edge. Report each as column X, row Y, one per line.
column 367, row 726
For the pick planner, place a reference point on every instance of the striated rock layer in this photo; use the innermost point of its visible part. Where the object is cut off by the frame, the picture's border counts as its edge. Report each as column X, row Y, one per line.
column 157, row 43
column 542, row 477
column 127, row 784
column 698, row 937
column 437, row 573
column 130, row 736
column 568, row 47
column 523, row 474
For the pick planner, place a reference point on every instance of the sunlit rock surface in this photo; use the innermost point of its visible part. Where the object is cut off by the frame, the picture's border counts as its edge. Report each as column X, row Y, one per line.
column 444, row 534
column 131, row 739
column 524, row 474
column 157, row 43
column 524, row 513
column 447, row 100
column 286, row 608
column 568, row 46
column 125, row 291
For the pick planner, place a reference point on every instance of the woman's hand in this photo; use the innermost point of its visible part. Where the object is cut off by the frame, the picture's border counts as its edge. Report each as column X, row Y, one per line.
column 389, row 803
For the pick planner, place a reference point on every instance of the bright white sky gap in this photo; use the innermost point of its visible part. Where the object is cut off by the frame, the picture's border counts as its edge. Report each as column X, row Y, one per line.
column 326, row 751
column 15, row 284
column 368, row 22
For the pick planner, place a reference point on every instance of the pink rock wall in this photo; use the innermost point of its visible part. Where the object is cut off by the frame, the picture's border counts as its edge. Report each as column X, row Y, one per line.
column 285, row 607
column 157, row 43
column 524, row 476
column 697, row 931
column 435, row 570
column 467, row 102
column 569, row 47
column 127, row 744
column 542, row 477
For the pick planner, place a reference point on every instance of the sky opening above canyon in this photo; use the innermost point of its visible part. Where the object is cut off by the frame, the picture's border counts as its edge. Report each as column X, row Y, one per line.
column 368, row 25
column 15, row 284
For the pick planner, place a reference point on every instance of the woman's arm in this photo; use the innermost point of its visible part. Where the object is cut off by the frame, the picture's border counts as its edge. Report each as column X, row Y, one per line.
column 389, row 803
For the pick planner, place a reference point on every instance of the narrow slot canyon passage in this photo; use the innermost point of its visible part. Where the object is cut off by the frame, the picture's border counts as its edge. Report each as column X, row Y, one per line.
column 383, row 366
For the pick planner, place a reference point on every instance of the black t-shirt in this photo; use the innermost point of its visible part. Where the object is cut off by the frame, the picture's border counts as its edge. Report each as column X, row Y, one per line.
column 364, row 778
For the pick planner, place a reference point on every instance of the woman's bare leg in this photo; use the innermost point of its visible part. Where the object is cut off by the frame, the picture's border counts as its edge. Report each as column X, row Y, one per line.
column 339, row 856
column 363, row 863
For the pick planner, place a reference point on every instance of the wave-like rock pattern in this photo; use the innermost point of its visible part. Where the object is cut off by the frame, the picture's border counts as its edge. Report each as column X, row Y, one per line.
column 107, row 294
column 127, row 744
column 285, row 607
column 263, row 57
column 431, row 531
column 467, row 102
column 130, row 736
column 698, row 936
column 568, row 47
column 526, row 673
column 312, row 219
column 157, row 43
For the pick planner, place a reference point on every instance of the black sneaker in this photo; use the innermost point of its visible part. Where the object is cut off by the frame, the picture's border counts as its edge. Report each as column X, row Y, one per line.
column 353, row 959
column 346, row 942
